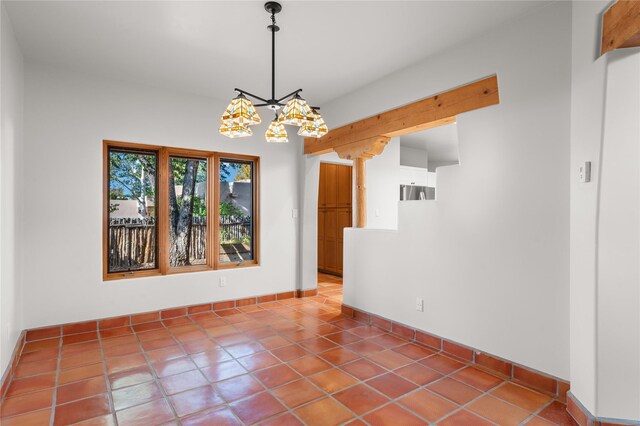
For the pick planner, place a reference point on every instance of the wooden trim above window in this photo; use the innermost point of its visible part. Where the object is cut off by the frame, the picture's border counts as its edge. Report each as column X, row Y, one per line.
column 162, row 211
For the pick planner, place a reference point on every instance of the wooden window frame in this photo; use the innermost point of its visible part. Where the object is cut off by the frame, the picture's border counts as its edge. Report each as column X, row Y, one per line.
column 190, row 154
column 164, row 155
column 255, row 214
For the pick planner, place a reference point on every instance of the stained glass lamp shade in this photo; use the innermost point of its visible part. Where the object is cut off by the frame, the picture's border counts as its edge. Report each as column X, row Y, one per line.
column 232, row 130
column 241, row 111
column 315, row 128
column 296, row 112
column 276, row 132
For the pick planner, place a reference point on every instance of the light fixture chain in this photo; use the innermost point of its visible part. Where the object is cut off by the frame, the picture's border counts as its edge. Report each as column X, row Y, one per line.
column 273, row 55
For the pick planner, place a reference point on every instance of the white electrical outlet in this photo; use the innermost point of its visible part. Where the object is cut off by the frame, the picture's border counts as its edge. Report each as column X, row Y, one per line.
column 419, row 305
column 223, row 281
column 294, row 213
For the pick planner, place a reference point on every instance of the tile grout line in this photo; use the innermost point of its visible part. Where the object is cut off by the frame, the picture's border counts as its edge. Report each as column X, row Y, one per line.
column 540, row 410
column 55, row 388
column 106, row 377
column 156, row 379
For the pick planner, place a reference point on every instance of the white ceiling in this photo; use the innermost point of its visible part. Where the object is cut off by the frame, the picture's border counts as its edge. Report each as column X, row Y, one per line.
column 208, row 48
column 441, row 143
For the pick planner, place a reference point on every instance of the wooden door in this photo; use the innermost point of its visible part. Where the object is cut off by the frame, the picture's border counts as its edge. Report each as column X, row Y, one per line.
column 334, row 214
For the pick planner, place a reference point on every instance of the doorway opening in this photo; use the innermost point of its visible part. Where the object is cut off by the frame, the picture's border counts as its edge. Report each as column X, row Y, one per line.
column 334, row 214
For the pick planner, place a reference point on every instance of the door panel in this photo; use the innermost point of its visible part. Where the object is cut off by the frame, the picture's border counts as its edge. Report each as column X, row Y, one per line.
column 331, row 224
column 334, row 214
column 331, row 184
column 321, row 224
column 343, row 220
column 322, row 263
column 322, row 196
column 344, row 186
column 331, row 256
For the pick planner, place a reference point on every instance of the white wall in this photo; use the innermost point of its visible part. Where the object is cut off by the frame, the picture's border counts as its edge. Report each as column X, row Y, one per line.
column 618, row 271
column 67, row 116
column 413, row 157
column 490, row 257
column 605, row 236
column 12, row 94
column 383, row 187
column 587, row 109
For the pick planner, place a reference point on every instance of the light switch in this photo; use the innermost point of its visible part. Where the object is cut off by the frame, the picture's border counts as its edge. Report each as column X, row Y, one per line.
column 294, row 213
column 585, row 172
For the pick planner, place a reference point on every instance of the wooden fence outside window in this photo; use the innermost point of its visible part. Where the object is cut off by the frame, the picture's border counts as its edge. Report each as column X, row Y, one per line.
column 132, row 241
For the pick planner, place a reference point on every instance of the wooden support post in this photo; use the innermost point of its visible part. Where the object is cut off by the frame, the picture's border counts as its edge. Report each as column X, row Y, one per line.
column 360, row 152
column 361, row 192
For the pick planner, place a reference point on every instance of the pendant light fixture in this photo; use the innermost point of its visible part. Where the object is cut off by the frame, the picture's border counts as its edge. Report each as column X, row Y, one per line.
column 241, row 113
column 315, row 128
column 276, row 132
column 233, row 130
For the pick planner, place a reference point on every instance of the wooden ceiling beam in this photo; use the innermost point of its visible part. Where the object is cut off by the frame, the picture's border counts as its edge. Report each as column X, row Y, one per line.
column 420, row 115
column 621, row 26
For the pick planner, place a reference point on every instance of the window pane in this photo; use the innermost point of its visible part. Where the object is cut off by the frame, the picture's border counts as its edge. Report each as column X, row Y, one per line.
column 187, row 211
column 132, row 210
column 236, row 210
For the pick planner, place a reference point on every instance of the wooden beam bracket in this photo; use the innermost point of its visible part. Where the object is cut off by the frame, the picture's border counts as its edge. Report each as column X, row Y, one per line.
column 366, row 148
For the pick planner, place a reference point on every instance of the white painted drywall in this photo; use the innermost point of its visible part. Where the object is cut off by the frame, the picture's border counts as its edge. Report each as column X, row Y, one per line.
column 490, row 257
column 618, row 272
column 12, row 94
column 67, row 116
column 383, row 187
column 587, row 109
column 413, row 157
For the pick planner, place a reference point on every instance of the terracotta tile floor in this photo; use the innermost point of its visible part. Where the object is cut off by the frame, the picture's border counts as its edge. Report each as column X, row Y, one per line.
column 282, row 363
